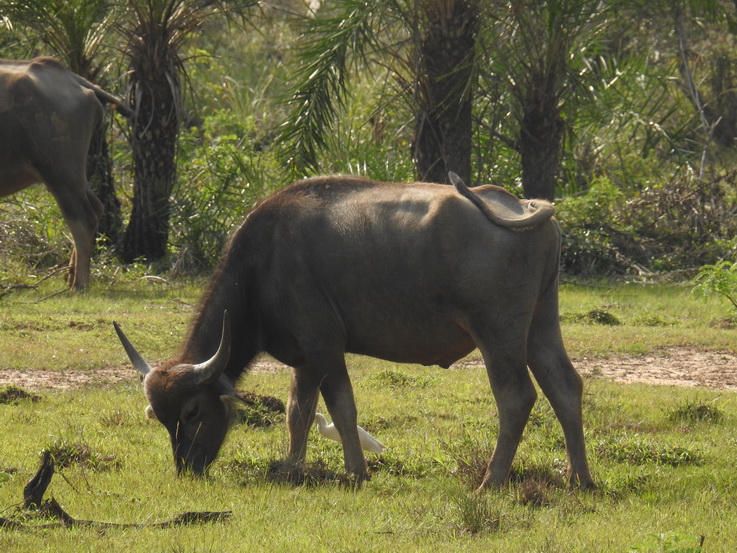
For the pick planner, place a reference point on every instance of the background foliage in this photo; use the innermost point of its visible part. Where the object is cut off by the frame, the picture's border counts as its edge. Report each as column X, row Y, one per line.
column 646, row 184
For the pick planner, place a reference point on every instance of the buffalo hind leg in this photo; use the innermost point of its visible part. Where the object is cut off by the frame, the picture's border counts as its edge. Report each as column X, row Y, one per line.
column 301, row 407
column 515, row 396
column 80, row 260
column 81, row 210
column 563, row 387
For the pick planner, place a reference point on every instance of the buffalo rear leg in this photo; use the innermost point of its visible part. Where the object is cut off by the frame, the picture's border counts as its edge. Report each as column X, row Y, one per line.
column 563, row 387
column 81, row 210
column 515, row 396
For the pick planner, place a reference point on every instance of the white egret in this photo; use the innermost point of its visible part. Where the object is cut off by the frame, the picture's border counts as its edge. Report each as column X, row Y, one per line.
column 368, row 442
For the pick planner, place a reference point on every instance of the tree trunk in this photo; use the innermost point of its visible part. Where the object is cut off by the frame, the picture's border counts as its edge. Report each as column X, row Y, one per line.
column 540, row 144
column 718, row 111
column 100, row 178
column 446, row 80
column 723, row 116
column 154, row 140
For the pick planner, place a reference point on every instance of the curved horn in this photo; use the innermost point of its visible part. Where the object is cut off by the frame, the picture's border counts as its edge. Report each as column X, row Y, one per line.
column 133, row 355
column 211, row 369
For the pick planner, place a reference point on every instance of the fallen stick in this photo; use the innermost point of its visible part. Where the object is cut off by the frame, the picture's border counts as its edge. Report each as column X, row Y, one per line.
column 36, row 488
column 52, row 508
column 34, row 491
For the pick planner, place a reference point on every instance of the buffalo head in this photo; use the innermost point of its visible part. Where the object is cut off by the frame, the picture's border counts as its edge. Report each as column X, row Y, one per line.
column 193, row 402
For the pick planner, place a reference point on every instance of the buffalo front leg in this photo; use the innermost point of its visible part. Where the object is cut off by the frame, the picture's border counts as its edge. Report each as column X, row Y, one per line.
column 338, row 395
column 301, row 407
column 515, row 396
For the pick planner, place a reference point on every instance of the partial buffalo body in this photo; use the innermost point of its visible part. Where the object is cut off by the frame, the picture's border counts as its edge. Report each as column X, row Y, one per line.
column 418, row 273
column 47, row 117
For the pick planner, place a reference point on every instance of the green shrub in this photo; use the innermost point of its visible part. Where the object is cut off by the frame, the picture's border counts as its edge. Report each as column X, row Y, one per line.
column 693, row 411
column 67, row 454
column 717, row 279
column 221, row 180
column 636, row 450
column 586, row 222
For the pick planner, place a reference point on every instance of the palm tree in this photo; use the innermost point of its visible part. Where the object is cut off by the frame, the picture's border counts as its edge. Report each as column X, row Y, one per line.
column 527, row 52
column 538, row 53
column 445, row 81
column 156, row 32
column 430, row 47
column 74, row 31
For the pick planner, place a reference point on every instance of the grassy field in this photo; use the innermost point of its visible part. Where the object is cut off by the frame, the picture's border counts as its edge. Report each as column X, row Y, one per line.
column 663, row 457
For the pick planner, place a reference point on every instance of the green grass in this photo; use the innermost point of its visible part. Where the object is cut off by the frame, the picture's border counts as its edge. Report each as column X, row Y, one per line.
column 648, row 317
column 663, row 457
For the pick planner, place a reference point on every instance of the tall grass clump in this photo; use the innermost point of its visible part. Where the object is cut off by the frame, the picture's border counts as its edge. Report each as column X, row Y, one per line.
column 66, row 454
column 693, row 411
column 476, row 513
column 34, row 238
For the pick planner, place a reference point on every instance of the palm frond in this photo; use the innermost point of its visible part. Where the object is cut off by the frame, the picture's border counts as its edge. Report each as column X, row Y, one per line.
column 71, row 30
column 334, row 43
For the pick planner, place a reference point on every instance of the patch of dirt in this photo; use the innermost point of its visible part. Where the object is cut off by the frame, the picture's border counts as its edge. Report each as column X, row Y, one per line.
column 687, row 367
column 72, row 379
column 65, row 380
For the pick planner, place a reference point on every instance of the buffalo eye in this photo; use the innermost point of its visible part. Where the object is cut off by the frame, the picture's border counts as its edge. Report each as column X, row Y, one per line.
column 191, row 413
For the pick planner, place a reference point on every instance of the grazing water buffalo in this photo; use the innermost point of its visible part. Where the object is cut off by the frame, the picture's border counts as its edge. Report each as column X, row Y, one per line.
column 419, row 273
column 47, row 117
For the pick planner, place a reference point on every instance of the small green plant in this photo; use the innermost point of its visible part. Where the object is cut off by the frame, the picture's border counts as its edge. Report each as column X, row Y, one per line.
column 12, row 394
column 718, row 279
column 67, row 454
column 670, row 543
column 693, row 411
column 636, row 450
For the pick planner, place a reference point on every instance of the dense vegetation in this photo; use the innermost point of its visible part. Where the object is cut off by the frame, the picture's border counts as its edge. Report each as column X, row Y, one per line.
column 641, row 143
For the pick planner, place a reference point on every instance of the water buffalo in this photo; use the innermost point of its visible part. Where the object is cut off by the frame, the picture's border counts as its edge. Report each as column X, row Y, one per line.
column 419, row 273
column 47, row 117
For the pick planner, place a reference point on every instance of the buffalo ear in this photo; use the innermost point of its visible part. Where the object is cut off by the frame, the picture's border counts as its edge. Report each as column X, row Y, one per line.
column 230, row 403
column 150, row 415
column 228, row 394
column 225, row 388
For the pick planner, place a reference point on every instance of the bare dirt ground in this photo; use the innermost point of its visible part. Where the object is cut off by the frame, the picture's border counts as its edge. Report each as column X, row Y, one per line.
column 671, row 367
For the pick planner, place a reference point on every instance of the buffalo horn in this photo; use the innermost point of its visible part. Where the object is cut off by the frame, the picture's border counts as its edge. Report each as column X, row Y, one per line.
column 211, row 369
column 133, row 355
